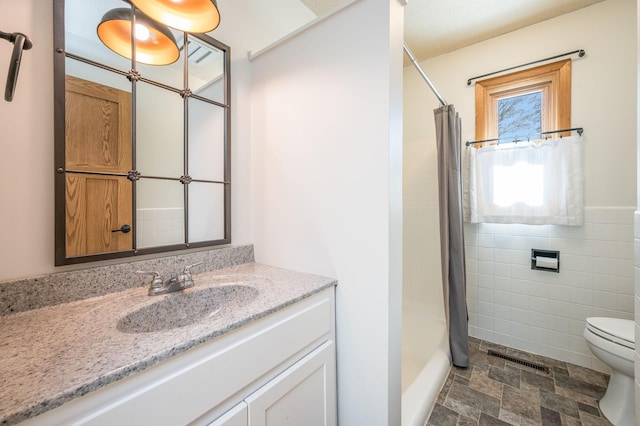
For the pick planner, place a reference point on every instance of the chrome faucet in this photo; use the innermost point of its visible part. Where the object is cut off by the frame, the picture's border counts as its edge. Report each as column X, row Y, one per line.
column 175, row 283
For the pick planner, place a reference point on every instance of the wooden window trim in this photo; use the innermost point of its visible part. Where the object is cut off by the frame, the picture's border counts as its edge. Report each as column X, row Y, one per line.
column 554, row 80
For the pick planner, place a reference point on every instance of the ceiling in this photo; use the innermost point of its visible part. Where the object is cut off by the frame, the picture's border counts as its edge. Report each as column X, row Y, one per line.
column 434, row 27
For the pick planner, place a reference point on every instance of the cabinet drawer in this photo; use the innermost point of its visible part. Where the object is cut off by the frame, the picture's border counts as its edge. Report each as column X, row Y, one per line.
column 183, row 388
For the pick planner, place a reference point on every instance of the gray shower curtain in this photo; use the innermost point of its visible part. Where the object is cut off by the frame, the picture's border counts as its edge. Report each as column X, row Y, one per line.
column 454, row 280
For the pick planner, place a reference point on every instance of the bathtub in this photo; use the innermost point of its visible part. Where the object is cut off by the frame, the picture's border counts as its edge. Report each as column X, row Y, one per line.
column 426, row 360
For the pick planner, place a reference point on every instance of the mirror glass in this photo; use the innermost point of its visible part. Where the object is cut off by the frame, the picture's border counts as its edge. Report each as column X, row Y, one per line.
column 159, row 131
column 142, row 151
column 160, row 212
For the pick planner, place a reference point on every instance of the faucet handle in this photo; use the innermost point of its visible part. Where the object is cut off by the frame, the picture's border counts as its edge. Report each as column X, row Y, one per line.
column 187, row 280
column 187, row 269
column 156, row 281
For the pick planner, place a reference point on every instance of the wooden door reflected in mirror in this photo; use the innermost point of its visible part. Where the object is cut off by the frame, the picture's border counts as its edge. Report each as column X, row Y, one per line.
column 98, row 142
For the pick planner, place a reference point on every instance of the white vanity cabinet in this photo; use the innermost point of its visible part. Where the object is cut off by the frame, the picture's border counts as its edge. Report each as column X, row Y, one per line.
column 277, row 371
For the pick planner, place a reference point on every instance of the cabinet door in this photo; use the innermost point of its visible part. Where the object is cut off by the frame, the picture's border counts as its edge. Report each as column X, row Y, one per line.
column 304, row 394
column 237, row 416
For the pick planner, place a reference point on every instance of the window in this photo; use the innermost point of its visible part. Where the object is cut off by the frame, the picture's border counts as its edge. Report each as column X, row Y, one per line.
column 534, row 182
column 520, row 115
column 524, row 103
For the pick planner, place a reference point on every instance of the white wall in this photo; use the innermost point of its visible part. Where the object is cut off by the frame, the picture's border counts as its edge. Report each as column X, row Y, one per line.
column 508, row 302
column 26, row 145
column 326, row 140
column 637, row 228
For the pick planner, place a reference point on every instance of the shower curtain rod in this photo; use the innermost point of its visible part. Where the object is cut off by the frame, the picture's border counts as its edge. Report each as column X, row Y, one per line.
column 580, row 130
column 422, row 73
column 580, row 53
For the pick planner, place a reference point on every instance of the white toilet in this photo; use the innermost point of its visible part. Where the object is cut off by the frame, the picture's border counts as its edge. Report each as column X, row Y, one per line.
column 612, row 341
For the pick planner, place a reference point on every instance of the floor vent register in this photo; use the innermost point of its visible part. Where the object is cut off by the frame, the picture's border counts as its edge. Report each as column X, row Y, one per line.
column 519, row 361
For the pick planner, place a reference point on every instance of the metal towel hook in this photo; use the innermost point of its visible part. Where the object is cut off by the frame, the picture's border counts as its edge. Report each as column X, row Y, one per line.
column 20, row 42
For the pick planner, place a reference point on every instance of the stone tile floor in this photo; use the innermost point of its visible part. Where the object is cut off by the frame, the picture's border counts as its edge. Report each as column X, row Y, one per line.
column 493, row 391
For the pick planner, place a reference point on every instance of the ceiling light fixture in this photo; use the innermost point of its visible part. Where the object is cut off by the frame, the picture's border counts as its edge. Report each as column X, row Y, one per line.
column 192, row 16
column 155, row 44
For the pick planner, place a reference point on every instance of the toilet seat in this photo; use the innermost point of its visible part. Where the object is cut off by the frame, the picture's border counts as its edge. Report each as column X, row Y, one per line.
column 616, row 330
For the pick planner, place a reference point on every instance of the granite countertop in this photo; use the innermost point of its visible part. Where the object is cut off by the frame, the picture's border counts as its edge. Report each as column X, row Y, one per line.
column 51, row 355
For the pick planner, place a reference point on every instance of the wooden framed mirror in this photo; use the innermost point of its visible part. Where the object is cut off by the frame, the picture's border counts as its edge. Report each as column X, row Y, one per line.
column 142, row 158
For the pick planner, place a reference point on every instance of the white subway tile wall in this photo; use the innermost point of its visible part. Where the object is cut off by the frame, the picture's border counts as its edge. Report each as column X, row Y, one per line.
column 160, row 226
column 544, row 312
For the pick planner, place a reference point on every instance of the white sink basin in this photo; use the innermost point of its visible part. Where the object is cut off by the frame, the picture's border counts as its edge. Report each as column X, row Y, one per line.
column 181, row 309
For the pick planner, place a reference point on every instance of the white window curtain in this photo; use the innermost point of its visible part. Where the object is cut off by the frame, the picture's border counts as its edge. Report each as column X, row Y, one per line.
column 538, row 182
